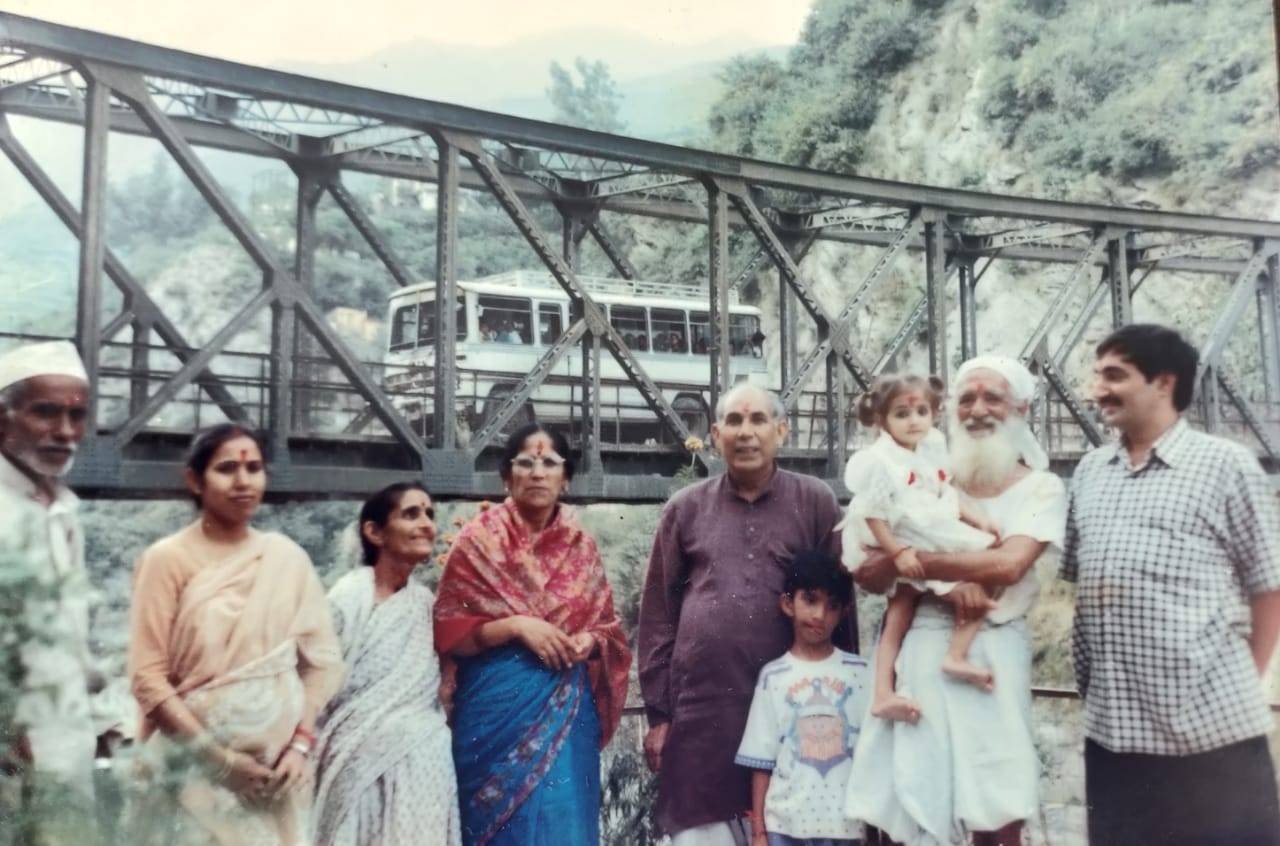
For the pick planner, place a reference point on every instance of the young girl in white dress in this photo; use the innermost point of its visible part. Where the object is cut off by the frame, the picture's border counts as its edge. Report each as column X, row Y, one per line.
column 903, row 500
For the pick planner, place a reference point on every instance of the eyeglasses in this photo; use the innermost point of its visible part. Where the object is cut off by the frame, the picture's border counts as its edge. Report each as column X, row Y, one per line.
column 525, row 462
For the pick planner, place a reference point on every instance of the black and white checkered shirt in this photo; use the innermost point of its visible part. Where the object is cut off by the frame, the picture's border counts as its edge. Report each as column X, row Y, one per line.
column 1165, row 556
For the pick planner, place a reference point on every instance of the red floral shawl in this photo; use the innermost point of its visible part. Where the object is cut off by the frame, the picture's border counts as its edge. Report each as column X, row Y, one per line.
column 495, row 570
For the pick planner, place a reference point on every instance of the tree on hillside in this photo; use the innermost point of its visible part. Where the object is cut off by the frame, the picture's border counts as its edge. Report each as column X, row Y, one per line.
column 1156, row 90
column 815, row 108
column 592, row 102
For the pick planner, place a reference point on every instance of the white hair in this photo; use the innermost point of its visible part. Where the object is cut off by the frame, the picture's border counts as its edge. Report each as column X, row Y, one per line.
column 989, row 461
column 777, row 410
column 11, row 397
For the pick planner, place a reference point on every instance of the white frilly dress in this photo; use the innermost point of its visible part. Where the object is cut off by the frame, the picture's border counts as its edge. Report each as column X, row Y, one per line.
column 911, row 491
column 970, row 763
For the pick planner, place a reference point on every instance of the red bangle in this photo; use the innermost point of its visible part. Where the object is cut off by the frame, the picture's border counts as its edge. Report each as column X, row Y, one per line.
column 306, row 735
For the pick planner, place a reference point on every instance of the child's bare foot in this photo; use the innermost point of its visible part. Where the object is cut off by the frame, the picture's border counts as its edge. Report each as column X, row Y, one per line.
column 895, row 707
column 961, row 670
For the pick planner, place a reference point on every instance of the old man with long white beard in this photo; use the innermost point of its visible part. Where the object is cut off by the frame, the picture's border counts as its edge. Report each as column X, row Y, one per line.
column 968, row 767
column 43, row 410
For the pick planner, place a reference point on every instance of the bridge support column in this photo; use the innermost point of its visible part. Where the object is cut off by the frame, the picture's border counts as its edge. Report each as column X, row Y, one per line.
column 968, row 309
column 935, row 270
column 1118, row 267
column 92, row 239
column 788, row 327
column 139, row 364
column 572, row 230
column 1269, row 329
column 445, row 412
column 298, row 396
column 718, row 292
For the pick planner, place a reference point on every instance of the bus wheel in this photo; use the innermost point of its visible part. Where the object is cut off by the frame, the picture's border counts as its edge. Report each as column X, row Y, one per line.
column 693, row 412
column 496, row 398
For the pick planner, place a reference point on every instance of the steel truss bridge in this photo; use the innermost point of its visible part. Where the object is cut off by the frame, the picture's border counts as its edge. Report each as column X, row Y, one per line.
column 334, row 426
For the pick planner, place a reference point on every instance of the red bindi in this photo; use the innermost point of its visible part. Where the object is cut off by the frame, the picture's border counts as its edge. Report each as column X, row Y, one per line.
column 541, row 446
column 244, row 455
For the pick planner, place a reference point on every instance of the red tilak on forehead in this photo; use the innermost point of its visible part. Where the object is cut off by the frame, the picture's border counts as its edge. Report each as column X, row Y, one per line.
column 541, row 446
column 244, row 455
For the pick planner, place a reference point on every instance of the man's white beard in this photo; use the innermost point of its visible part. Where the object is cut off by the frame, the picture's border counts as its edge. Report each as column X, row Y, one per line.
column 988, row 460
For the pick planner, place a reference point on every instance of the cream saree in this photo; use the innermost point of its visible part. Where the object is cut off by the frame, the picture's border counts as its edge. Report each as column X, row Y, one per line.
column 248, row 646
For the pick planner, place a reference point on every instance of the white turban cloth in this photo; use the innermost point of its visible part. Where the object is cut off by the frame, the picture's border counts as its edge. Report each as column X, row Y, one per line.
column 50, row 358
column 1022, row 389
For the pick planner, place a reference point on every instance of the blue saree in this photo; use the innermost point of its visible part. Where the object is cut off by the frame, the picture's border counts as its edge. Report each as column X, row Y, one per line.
column 526, row 745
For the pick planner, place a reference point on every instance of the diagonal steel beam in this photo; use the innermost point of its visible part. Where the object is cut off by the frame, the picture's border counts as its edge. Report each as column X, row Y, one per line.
column 1054, row 312
column 188, row 372
column 369, row 231
column 1247, row 411
column 116, row 325
column 1059, row 385
column 844, row 320
column 280, row 283
column 132, row 89
column 1081, row 323
column 356, row 374
column 593, row 315
column 899, row 340
column 616, row 257
column 141, row 303
column 790, row 272
column 1121, row 292
column 1242, row 292
column 527, row 385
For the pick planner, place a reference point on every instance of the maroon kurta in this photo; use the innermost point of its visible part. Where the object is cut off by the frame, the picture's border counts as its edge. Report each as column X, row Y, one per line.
column 709, row 620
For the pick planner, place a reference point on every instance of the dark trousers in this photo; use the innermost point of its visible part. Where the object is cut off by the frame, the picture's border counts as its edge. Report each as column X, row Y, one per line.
column 1224, row 796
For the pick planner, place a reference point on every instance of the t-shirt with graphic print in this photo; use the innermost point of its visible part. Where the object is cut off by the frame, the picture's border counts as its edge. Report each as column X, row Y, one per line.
column 803, row 725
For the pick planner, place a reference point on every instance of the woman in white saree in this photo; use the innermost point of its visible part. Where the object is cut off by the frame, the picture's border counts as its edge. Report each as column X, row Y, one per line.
column 231, row 656
column 385, row 761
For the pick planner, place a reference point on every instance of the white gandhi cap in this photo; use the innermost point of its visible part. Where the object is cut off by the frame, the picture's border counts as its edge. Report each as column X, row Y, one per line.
column 49, row 358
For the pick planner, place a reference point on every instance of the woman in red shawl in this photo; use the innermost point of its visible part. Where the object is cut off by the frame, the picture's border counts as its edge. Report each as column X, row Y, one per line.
column 525, row 610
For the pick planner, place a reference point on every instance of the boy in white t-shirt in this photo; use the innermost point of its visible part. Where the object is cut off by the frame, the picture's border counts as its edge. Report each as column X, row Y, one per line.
column 805, row 715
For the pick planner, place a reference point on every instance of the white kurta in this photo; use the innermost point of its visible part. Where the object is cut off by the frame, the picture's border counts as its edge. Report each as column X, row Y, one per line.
column 53, row 708
column 970, row 763
column 911, row 491
column 384, row 753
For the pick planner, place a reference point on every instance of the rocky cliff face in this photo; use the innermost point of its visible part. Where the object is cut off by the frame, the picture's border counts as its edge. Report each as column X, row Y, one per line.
column 939, row 122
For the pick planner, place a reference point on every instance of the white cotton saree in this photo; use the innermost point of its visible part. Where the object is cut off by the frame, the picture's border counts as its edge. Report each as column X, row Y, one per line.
column 384, row 760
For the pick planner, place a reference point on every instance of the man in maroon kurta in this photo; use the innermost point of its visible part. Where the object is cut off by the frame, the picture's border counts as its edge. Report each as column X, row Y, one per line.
column 709, row 616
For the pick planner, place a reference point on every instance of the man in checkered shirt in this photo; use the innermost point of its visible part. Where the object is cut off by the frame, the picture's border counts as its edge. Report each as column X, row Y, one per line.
column 1173, row 539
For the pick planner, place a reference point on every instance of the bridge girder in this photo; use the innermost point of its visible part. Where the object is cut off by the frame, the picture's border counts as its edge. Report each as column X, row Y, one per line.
column 323, row 129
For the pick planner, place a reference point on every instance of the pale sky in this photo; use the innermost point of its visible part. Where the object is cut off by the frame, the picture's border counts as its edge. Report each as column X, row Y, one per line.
column 265, row 31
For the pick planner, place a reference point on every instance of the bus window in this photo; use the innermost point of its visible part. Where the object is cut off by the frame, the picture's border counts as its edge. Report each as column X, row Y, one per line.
column 550, row 323
column 505, row 319
column 699, row 332
column 630, row 323
column 669, row 333
column 745, row 337
column 404, row 325
column 427, row 326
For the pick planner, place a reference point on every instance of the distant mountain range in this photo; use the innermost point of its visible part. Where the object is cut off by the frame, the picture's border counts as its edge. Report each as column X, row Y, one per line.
column 666, row 88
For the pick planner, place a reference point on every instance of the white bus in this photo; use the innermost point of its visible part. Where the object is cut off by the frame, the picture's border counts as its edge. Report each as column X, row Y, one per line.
column 506, row 322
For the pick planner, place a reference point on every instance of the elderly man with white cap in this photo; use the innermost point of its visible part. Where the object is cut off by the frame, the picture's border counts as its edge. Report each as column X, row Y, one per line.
column 43, row 410
column 968, row 767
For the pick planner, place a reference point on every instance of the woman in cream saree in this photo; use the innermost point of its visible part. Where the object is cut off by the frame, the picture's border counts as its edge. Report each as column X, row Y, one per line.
column 231, row 655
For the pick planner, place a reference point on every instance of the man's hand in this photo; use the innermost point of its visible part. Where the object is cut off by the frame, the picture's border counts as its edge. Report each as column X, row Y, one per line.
column 654, row 741
column 907, row 564
column 877, row 573
column 970, row 601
